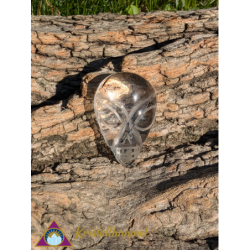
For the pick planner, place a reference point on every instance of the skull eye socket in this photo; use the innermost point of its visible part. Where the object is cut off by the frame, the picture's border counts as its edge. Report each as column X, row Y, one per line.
column 146, row 118
column 110, row 118
column 109, row 113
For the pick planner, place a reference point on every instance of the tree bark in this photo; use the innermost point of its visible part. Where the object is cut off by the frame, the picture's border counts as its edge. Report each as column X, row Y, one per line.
column 172, row 188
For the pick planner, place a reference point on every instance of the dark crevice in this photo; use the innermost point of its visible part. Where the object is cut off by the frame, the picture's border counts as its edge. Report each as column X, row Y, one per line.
column 163, row 210
column 213, row 243
column 35, row 172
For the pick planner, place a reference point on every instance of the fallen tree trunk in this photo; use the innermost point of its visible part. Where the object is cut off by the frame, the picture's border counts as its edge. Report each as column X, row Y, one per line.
column 172, row 188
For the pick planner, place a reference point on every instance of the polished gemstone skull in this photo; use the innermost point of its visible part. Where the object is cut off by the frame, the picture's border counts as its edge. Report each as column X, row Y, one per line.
column 125, row 106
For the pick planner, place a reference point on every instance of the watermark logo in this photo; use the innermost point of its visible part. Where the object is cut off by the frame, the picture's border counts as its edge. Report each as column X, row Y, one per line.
column 109, row 232
column 54, row 237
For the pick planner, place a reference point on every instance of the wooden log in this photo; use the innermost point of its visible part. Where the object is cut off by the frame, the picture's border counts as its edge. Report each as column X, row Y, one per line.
column 172, row 188
column 64, row 49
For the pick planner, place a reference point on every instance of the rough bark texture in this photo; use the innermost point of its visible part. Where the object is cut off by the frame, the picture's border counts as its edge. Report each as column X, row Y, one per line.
column 172, row 188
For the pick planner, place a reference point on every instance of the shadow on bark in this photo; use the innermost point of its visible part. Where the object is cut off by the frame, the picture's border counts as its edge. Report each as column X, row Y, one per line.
column 166, row 182
column 194, row 173
column 68, row 85
column 213, row 243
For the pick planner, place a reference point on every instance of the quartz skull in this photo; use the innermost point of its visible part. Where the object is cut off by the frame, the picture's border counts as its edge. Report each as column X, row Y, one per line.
column 125, row 106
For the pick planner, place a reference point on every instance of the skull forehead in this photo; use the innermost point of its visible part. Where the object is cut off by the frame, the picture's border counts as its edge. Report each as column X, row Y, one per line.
column 125, row 88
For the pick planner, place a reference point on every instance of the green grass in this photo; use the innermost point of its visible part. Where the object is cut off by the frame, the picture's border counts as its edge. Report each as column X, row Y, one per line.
column 90, row 7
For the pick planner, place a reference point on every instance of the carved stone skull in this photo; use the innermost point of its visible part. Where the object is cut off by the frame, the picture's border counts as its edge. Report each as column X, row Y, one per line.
column 125, row 105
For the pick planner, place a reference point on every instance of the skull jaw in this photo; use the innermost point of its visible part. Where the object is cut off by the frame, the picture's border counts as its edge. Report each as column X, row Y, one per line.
column 126, row 155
